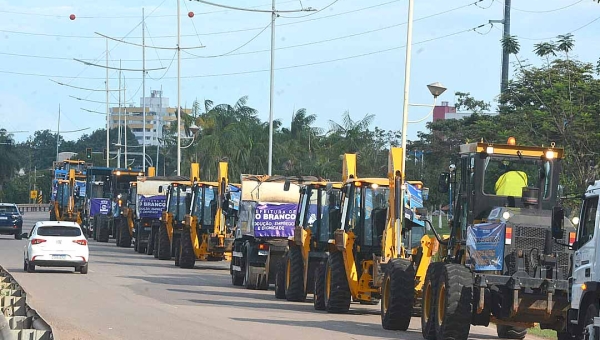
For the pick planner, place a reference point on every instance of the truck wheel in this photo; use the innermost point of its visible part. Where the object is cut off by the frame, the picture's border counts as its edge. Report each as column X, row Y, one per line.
column 398, row 295
column 155, row 250
column 294, row 276
column 428, row 311
column 52, row 214
column 103, row 229
column 187, row 257
column 280, row 281
column 150, row 247
column 236, row 278
column 249, row 282
column 511, row 332
column 319, row 290
column 123, row 236
column 164, row 245
column 454, row 302
column 95, row 231
column 337, row 291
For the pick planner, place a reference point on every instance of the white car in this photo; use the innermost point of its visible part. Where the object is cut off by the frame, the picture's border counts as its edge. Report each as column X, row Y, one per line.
column 56, row 244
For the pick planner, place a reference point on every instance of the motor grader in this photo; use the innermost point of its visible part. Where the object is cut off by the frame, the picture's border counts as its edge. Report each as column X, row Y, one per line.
column 363, row 255
column 204, row 234
column 503, row 262
column 68, row 201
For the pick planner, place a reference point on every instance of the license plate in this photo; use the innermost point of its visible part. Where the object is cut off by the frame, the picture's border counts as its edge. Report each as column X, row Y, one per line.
column 147, row 228
column 263, row 252
column 59, row 257
column 3, row 218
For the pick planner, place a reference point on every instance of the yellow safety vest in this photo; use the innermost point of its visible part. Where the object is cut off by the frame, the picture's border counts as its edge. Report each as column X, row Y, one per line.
column 511, row 184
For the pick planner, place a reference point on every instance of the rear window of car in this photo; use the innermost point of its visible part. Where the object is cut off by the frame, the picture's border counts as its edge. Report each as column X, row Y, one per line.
column 59, row 231
column 9, row 209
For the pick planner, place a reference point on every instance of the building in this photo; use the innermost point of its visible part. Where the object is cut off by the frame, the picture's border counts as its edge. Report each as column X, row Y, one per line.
column 444, row 111
column 158, row 116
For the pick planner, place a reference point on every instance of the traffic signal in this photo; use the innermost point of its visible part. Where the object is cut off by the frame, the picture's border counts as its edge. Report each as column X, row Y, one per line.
column 88, row 153
column 104, row 155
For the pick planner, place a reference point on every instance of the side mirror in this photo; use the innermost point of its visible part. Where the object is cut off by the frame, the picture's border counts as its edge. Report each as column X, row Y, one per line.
column 558, row 220
column 286, row 185
column 425, row 193
column 160, row 189
column 24, row 235
column 421, row 212
column 328, row 187
column 444, row 182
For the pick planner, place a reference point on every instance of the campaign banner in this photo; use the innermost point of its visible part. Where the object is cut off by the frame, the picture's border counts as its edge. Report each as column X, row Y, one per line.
column 99, row 206
column 151, row 206
column 412, row 200
column 485, row 244
column 274, row 220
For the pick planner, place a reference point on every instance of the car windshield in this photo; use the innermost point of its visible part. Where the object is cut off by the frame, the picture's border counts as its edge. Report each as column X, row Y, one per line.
column 59, row 231
column 9, row 210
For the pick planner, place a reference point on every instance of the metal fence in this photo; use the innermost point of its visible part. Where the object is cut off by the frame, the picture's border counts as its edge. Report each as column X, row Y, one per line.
column 33, row 207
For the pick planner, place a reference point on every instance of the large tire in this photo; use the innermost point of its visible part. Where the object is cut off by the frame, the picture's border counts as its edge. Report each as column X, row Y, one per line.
column 398, row 295
column 95, row 231
column 511, row 332
column 150, row 246
column 103, row 228
column 294, row 276
column 319, row 290
column 280, row 280
column 236, row 278
column 164, row 245
column 155, row 250
column 455, row 302
column 52, row 214
column 123, row 236
column 428, row 311
column 337, row 291
column 176, row 249
column 187, row 257
column 249, row 282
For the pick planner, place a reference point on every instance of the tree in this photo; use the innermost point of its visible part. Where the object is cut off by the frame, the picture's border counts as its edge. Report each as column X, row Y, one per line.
column 10, row 159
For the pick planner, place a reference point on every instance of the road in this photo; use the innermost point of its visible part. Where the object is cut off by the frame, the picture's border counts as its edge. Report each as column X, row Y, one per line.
column 126, row 295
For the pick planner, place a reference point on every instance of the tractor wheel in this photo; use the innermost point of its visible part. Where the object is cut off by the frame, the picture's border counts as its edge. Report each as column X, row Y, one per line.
column 187, row 257
column 103, row 229
column 155, row 237
column 294, row 276
column 319, row 290
column 236, row 278
column 123, row 236
column 280, row 280
column 454, row 302
column 150, row 246
column 337, row 291
column 164, row 245
column 428, row 311
column 511, row 332
column 52, row 215
column 398, row 295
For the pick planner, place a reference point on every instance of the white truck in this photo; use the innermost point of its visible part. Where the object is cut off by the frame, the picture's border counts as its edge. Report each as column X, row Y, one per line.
column 583, row 321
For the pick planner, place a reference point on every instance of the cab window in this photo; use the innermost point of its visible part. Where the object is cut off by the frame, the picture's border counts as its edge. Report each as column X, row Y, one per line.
column 588, row 220
column 506, row 176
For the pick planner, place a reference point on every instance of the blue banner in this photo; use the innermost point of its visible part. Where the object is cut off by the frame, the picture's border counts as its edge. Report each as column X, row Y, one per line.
column 151, row 206
column 485, row 245
column 413, row 199
column 275, row 220
column 99, row 206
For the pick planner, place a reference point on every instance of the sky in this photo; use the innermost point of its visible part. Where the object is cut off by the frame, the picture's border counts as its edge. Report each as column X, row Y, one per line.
column 348, row 55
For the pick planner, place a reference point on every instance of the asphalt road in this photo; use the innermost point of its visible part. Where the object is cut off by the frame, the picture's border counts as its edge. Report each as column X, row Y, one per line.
column 126, row 295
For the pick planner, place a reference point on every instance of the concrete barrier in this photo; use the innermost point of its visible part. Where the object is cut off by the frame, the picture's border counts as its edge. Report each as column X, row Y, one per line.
column 33, row 207
column 18, row 321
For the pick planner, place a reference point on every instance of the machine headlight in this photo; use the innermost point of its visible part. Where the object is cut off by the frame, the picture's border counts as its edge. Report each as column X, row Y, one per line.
column 575, row 220
column 506, row 215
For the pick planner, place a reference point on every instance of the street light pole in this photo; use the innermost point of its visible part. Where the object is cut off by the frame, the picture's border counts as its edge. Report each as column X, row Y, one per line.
column 178, row 88
column 409, row 27
column 144, row 88
column 272, row 87
column 107, row 112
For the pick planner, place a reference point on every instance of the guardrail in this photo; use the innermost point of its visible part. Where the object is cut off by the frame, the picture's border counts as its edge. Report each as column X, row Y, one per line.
column 18, row 320
column 33, row 207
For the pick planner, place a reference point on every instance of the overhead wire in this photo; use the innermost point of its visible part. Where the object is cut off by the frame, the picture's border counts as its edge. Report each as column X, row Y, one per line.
column 539, row 11
column 309, row 14
column 193, row 24
column 230, row 53
column 548, row 38
column 280, row 68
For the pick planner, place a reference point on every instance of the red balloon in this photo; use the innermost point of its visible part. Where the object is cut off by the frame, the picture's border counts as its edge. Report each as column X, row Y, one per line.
column 72, row 16
column 191, row 14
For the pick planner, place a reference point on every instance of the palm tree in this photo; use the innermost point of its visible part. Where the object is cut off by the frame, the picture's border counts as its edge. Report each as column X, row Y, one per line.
column 545, row 49
column 565, row 45
column 350, row 131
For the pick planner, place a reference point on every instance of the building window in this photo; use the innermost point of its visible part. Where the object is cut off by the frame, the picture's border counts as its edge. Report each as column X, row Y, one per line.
column 147, row 137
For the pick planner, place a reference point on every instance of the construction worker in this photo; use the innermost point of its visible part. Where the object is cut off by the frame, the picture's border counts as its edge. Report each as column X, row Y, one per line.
column 511, row 183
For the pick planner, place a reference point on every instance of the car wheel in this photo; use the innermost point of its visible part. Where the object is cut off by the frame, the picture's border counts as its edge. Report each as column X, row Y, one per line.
column 83, row 269
column 24, row 265
column 30, row 268
column 18, row 235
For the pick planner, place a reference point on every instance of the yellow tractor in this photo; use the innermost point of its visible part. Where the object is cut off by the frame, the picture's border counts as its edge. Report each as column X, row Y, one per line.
column 367, row 262
column 167, row 240
column 68, row 203
column 317, row 218
column 205, row 235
